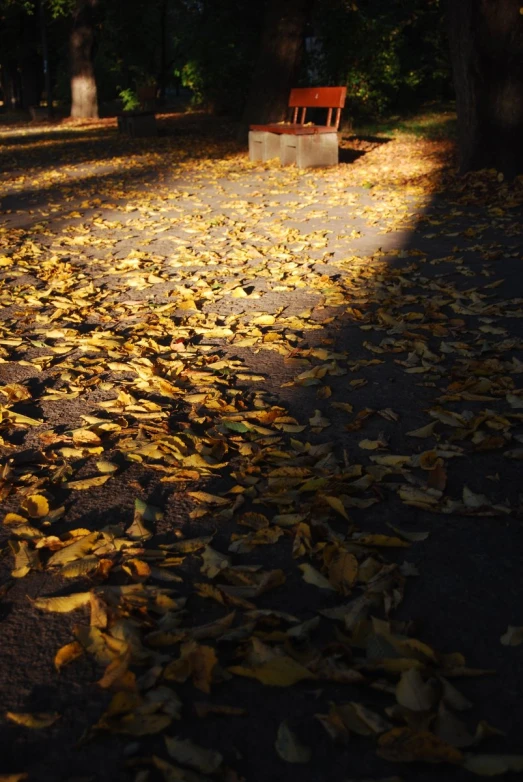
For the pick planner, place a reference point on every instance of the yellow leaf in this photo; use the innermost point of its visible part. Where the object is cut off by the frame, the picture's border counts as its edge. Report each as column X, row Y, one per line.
column 337, row 505
column 264, row 320
column 106, row 467
column 424, row 431
column 36, row 506
column 413, row 693
column 513, row 636
column 493, row 765
column 385, row 541
column 18, row 418
column 63, row 605
column 87, row 483
column 276, row 672
column 75, row 550
column 343, row 572
column 371, row 445
column 80, row 567
column 428, row 460
column 195, row 661
column 14, row 518
column 67, row 654
column 313, row 576
column 137, row 569
column 209, row 499
column 289, row 748
column 403, row 745
column 85, row 437
column 26, row 558
column 36, row 721
column 207, row 761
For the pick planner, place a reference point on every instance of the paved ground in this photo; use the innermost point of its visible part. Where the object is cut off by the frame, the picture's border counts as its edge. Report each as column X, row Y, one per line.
column 262, row 436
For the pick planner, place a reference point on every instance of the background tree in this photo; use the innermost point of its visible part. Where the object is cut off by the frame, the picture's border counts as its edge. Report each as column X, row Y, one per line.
column 486, row 38
column 233, row 57
column 277, row 65
column 84, row 96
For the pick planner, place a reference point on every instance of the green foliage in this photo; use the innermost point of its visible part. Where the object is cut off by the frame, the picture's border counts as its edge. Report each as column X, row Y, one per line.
column 390, row 55
column 129, row 99
column 191, row 76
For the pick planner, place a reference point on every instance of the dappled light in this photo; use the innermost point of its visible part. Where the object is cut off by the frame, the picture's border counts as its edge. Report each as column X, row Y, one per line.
column 252, row 420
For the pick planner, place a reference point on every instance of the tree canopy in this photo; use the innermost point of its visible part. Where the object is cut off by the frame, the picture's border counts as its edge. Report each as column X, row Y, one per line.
column 388, row 54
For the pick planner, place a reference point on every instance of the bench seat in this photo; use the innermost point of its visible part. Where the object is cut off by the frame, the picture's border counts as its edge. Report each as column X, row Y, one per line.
column 292, row 129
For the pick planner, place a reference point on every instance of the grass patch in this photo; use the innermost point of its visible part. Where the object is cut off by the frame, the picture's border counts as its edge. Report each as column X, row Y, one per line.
column 429, row 123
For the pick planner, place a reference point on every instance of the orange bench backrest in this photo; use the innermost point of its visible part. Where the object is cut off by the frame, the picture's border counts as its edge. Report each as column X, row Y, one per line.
column 320, row 97
column 317, row 97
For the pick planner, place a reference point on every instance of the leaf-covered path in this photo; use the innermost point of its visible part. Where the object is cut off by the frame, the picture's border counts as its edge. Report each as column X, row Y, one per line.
column 261, row 434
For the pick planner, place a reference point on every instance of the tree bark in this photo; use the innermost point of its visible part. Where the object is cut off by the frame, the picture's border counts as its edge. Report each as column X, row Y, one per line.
column 278, row 61
column 45, row 58
column 486, row 42
column 162, row 79
column 84, row 100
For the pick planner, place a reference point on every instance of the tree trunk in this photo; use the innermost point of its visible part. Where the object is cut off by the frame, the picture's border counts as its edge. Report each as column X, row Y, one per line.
column 278, row 61
column 162, row 80
column 84, row 101
column 45, row 59
column 486, row 41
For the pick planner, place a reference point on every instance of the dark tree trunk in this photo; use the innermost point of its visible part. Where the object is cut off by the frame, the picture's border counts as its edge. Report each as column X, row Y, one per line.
column 162, row 80
column 84, row 100
column 486, row 41
column 11, row 87
column 45, row 58
column 278, row 61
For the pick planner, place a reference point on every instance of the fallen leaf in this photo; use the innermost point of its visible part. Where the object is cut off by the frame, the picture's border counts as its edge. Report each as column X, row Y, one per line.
column 67, row 654
column 277, row 672
column 404, row 745
column 36, row 506
column 36, row 721
column 62, row 605
column 313, row 576
column 289, row 748
column 513, row 636
column 87, row 483
column 493, row 765
column 183, row 751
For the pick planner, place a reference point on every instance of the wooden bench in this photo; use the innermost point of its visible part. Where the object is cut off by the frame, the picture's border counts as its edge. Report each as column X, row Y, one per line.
column 298, row 142
column 142, row 121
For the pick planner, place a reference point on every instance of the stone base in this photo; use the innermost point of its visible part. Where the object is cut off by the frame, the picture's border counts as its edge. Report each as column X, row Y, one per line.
column 263, row 146
column 319, row 149
column 143, row 124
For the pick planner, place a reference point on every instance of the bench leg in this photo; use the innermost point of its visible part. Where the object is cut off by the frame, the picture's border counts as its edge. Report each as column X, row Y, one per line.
column 320, row 149
column 263, row 146
column 288, row 149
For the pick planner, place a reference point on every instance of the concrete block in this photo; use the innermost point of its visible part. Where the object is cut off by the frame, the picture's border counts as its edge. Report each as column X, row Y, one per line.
column 316, row 149
column 263, row 146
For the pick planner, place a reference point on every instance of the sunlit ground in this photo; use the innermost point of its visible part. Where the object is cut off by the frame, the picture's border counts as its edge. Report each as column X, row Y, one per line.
column 247, row 409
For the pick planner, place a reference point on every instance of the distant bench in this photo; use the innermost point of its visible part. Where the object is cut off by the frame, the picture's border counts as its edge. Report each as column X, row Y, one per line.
column 141, row 122
column 297, row 142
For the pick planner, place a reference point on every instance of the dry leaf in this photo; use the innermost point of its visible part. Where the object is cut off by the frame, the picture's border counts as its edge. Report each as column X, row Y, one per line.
column 62, row 605
column 289, row 748
column 512, row 637
column 37, row 721
column 183, row 751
